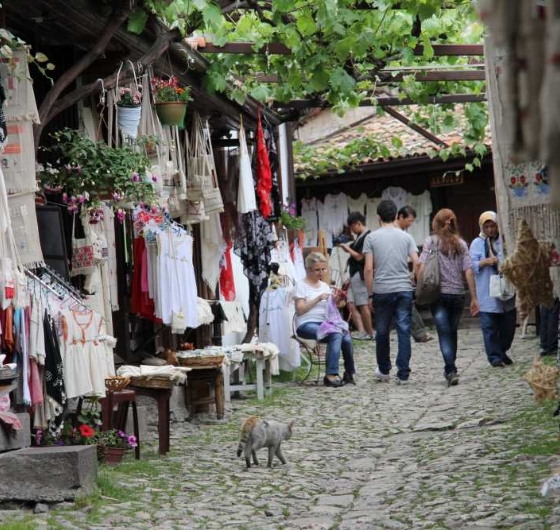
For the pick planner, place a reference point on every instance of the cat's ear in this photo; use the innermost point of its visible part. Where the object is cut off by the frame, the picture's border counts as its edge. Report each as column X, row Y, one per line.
column 291, row 425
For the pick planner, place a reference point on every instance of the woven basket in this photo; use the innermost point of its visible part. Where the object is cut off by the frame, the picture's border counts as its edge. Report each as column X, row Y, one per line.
column 206, row 361
column 153, row 381
column 113, row 384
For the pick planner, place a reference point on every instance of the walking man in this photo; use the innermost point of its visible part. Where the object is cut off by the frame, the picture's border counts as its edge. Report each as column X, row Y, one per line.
column 387, row 252
column 358, row 293
column 405, row 219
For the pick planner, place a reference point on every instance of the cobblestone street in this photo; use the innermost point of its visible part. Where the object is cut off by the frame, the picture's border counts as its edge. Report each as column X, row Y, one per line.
column 375, row 455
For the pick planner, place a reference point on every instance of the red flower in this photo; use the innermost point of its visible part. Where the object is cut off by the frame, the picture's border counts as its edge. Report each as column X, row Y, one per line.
column 513, row 180
column 86, row 431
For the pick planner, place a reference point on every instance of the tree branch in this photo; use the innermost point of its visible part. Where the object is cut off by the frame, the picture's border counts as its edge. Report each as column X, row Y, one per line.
column 159, row 47
column 113, row 24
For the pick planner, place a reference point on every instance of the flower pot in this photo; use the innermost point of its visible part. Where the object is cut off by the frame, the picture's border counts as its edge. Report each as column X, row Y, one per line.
column 128, row 119
column 171, row 112
column 113, row 455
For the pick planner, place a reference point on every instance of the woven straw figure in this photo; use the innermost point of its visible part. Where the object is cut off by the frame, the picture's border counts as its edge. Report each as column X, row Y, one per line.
column 527, row 269
column 542, row 379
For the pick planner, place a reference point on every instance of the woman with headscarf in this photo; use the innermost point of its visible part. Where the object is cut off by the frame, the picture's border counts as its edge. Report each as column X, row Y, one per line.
column 454, row 264
column 497, row 317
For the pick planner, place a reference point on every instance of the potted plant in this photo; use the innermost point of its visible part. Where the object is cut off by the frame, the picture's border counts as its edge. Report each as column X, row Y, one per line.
column 129, row 112
column 112, row 444
column 87, row 173
column 170, row 99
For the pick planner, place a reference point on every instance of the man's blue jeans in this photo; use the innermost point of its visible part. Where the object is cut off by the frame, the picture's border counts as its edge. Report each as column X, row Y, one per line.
column 388, row 306
column 335, row 343
column 447, row 310
column 498, row 330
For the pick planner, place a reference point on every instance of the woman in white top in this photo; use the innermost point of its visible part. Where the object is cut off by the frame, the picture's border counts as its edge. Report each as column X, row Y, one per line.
column 311, row 295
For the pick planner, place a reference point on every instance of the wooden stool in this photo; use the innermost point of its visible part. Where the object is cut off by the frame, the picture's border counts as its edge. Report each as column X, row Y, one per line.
column 112, row 420
column 214, row 379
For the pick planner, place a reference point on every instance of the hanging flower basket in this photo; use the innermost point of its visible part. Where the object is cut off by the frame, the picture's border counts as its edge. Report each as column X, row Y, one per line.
column 128, row 119
column 112, row 455
column 171, row 112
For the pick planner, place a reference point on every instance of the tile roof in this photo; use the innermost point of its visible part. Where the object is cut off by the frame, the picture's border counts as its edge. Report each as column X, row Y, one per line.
column 383, row 129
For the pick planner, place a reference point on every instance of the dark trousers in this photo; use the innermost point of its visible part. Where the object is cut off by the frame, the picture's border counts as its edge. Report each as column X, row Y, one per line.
column 548, row 332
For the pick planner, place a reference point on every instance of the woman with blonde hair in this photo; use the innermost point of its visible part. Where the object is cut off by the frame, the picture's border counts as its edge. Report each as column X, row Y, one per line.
column 312, row 298
column 455, row 263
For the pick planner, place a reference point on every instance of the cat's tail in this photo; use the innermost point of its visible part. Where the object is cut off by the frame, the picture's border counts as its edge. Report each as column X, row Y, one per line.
column 246, row 429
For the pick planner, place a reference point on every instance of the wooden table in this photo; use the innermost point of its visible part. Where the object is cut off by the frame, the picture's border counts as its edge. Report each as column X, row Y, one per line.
column 215, row 378
column 162, row 396
column 264, row 376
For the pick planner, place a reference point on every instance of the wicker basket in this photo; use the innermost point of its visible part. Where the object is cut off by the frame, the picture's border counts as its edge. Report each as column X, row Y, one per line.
column 116, row 383
column 152, row 381
column 204, row 361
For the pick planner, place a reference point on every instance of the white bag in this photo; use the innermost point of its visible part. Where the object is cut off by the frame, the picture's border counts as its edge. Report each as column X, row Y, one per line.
column 501, row 288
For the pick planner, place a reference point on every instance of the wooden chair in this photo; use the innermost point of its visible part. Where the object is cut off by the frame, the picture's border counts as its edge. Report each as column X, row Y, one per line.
column 312, row 352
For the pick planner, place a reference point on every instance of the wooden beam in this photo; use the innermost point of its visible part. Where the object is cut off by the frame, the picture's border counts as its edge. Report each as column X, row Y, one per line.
column 383, row 101
column 246, row 48
column 441, row 50
column 279, row 48
column 435, row 75
column 415, row 127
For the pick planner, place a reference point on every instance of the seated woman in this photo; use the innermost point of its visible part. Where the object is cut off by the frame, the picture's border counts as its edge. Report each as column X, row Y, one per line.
column 311, row 297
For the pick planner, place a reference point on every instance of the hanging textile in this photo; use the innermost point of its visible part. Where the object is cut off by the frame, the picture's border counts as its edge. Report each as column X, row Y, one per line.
column 264, row 176
column 227, row 284
column 275, row 197
column 212, row 250
column 253, row 244
column 246, row 199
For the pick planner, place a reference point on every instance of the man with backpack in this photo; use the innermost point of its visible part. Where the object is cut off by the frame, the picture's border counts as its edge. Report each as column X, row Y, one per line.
column 387, row 252
column 358, row 293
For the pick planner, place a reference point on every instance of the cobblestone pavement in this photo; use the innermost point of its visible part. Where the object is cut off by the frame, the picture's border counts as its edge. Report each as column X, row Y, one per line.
column 370, row 456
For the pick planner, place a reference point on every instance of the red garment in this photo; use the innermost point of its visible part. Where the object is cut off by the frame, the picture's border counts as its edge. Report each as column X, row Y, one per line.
column 227, row 284
column 264, row 174
column 140, row 302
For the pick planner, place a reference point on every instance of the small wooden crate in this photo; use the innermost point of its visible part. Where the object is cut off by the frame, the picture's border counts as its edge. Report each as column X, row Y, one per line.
column 203, row 361
column 153, row 381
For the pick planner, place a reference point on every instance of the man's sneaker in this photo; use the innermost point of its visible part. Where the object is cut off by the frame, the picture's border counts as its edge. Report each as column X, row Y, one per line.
column 452, row 379
column 385, row 378
column 402, row 381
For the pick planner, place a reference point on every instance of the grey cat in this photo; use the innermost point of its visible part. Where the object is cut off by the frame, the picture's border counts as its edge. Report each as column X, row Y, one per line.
column 257, row 433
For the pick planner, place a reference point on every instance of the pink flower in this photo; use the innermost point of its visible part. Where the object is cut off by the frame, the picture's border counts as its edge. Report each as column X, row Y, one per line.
column 121, row 215
column 132, row 441
column 135, row 177
column 116, row 196
column 72, row 200
column 68, row 167
column 78, row 168
column 154, row 178
column 65, row 197
column 81, row 199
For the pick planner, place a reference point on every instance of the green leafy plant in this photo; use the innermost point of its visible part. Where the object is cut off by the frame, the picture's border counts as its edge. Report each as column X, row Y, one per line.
column 166, row 90
column 113, row 438
column 88, row 172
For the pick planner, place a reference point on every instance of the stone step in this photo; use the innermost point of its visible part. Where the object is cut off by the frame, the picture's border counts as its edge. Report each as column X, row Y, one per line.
column 18, row 440
column 48, row 474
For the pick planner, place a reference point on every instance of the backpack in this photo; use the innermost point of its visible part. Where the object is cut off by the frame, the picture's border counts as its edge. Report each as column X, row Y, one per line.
column 429, row 285
column 355, row 266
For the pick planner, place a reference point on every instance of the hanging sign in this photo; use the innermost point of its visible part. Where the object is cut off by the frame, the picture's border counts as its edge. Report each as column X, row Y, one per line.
column 447, row 179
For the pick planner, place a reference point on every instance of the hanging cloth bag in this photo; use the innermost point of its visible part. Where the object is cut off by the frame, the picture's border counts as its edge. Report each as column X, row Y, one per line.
column 501, row 288
column 428, row 288
column 197, row 165
column 83, row 255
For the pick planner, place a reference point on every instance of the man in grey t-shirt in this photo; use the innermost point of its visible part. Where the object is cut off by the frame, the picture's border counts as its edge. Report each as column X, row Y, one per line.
column 387, row 277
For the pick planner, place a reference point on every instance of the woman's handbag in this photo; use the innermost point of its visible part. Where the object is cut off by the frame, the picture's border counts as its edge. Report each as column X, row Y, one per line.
column 501, row 288
column 428, row 287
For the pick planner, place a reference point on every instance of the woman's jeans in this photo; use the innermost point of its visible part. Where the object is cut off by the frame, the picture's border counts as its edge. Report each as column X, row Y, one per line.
column 447, row 310
column 498, row 330
column 388, row 306
column 335, row 343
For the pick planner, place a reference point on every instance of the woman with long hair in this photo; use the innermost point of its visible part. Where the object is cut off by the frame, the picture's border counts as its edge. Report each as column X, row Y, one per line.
column 455, row 263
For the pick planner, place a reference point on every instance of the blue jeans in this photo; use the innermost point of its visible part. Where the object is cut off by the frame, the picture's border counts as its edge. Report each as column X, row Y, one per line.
column 447, row 310
column 498, row 330
column 388, row 306
column 335, row 343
